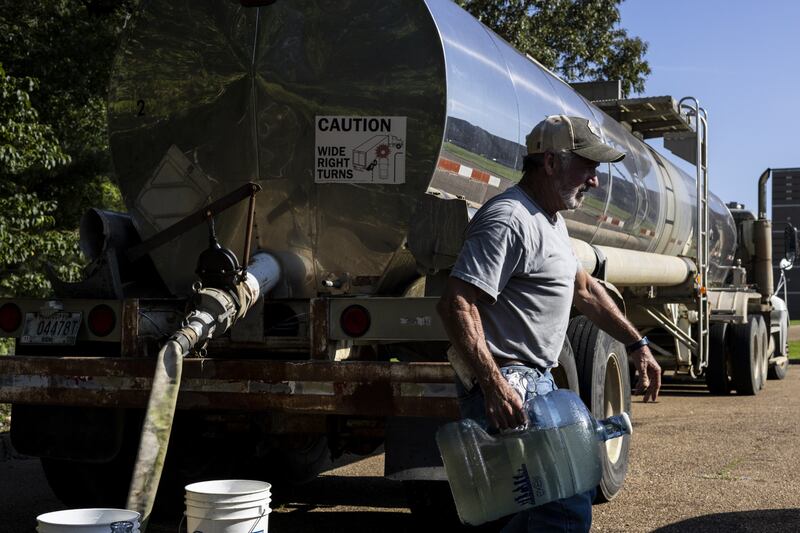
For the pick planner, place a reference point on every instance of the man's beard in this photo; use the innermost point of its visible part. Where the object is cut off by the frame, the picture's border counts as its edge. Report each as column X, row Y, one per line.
column 573, row 197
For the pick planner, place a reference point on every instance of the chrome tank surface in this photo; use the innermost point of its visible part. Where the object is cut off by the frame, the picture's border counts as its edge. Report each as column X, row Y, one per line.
column 207, row 95
column 495, row 96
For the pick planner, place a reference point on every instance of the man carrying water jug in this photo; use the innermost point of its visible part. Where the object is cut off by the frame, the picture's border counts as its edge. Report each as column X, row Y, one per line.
column 507, row 303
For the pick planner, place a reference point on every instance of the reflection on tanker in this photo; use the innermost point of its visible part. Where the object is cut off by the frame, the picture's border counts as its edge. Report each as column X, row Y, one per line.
column 643, row 203
column 234, row 94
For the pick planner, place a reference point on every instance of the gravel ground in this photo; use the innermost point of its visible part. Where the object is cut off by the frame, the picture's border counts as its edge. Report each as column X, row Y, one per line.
column 704, row 463
column 698, row 464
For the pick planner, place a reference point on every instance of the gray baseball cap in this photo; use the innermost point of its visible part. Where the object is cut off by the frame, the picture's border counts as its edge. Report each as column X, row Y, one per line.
column 573, row 134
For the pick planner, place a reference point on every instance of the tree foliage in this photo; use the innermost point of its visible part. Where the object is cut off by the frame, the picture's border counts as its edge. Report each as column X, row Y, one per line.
column 54, row 160
column 27, row 224
column 56, row 60
column 24, row 141
column 580, row 39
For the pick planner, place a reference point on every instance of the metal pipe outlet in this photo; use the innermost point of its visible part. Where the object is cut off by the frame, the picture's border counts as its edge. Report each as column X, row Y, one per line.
column 215, row 311
column 586, row 254
column 263, row 273
column 627, row 268
column 762, row 238
column 762, row 193
column 762, row 260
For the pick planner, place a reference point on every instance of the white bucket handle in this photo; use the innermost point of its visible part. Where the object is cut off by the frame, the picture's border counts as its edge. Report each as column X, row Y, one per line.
column 264, row 508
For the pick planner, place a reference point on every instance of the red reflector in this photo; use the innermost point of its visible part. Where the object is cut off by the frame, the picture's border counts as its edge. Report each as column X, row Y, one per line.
column 10, row 317
column 101, row 320
column 355, row 320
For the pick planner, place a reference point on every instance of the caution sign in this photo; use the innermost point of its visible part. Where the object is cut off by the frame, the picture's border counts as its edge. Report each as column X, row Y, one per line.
column 360, row 150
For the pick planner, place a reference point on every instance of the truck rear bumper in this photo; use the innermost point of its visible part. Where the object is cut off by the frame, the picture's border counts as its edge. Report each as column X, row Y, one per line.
column 362, row 388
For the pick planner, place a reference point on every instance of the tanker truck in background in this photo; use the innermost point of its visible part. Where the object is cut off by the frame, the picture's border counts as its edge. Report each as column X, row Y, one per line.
column 373, row 131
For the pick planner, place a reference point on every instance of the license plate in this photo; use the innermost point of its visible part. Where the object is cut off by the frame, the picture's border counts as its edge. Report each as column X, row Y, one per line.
column 57, row 328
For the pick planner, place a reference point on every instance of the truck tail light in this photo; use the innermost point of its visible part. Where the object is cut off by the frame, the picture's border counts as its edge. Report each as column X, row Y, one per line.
column 10, row 317
column 355, row 320
column 101, row 320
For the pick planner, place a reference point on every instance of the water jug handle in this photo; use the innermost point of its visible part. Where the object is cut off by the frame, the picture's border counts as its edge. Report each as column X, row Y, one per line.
column 627, row 423
column 515, row 430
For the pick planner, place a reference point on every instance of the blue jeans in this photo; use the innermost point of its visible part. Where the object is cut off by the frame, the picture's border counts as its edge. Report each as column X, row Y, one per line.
column 573, row 514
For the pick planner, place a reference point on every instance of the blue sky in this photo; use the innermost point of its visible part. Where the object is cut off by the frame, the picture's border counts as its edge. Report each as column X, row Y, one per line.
column 741, row 60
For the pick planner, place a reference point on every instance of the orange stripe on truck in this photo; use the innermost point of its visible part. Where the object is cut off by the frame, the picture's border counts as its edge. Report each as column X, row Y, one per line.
column 479, row 175
column 446, row 164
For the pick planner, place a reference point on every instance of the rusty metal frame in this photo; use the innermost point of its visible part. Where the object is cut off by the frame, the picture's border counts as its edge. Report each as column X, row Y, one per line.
column 130, row 328
column 318, row 328
column 361, row 388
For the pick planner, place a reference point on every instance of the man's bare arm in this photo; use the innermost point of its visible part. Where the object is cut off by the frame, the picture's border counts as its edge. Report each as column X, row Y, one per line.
column 457, row 307
column 592, row 300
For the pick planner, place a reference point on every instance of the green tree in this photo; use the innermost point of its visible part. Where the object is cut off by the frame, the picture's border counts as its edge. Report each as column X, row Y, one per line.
column 67, row 46
column 54, row 160
column 580, row 39
column 28, row 234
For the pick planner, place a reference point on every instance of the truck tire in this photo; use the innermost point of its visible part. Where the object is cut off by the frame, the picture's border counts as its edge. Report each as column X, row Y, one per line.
column 763, row 353
column 102, row 483
column 302, row 462
column 566, row 373
column 746, row 357
column 81, row 484
column 717, row 379
column 606, row 390
column 777, row 370
column 95, row 483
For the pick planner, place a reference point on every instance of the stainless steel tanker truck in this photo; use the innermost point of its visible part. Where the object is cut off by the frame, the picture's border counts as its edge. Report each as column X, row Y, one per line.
column 347, row 144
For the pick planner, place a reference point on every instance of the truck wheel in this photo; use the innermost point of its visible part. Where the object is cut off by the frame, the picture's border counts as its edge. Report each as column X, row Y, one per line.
column 746, row 358
column 299, row 460
column 83, row 484
column 763, row 353
column 606, row 390
column 777, row 370
column 717, row 379
column 566, row 373
column 87, row 483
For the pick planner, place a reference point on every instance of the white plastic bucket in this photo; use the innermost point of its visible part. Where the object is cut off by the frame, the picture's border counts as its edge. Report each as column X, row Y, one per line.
column 227, row 491
column 228, row 506
column 85, row 520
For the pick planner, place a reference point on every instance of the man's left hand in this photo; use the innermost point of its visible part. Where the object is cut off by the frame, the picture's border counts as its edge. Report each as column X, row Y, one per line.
column 649, row 373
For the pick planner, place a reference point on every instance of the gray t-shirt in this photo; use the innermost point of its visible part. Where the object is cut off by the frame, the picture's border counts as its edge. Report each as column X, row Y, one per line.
column 523, row 261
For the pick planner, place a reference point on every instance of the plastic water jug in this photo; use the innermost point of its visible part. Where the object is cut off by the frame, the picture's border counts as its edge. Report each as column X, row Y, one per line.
column 556, row 456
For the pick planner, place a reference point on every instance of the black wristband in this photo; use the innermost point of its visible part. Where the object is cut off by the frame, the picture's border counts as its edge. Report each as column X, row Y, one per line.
column 632, row 347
